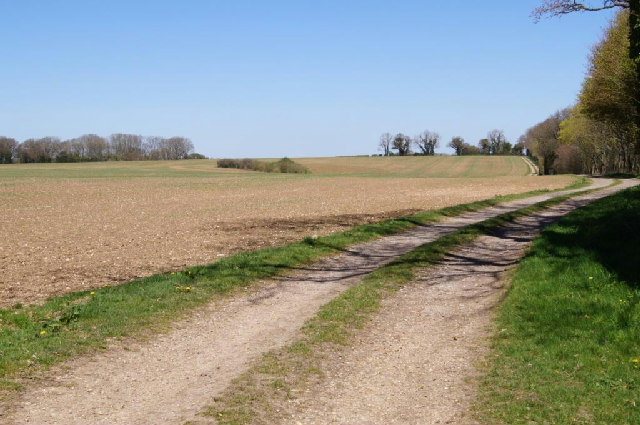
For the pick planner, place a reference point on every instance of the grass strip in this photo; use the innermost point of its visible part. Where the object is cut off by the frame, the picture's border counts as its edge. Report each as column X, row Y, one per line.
column 567, row 346
column 33, row 337
column 263, row 394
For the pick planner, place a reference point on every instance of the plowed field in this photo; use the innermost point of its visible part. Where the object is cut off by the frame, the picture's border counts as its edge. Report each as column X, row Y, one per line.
column 68, row 227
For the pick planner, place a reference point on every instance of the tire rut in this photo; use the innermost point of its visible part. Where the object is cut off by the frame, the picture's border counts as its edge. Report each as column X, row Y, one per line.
column 169, row 379
column 415, row 362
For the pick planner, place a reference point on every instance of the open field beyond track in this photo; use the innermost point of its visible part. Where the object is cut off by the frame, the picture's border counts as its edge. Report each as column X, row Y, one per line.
column 69, row 227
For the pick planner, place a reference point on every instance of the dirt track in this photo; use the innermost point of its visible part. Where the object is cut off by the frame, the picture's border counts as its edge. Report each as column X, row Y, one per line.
column 168, row 380
column 415, row 362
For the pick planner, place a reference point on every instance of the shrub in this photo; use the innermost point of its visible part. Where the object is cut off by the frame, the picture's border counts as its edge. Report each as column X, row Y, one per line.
column 285, row 165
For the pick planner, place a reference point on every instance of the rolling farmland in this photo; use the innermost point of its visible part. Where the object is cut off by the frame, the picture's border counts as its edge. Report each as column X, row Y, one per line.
column 72, row 227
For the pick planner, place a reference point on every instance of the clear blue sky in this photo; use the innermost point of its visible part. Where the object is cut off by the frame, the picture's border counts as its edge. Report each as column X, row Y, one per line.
column 295, row 78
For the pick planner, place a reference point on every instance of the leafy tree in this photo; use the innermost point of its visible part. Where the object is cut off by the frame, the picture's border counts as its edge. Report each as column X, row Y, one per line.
column 484, row 146
column 632, row 47
column 402, row 144
column 468, row 149
column 8, row 148
column 518, row 148
column 603, row 125
column 457, row 144
column 542, row 140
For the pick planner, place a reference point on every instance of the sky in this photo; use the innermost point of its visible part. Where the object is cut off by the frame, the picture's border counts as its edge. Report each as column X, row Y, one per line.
column 286, row 78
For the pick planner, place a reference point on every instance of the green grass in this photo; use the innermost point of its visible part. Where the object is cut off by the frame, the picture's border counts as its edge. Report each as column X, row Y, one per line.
column 409, row 167
column 262, row 394
column 419, row 166
column 32, row 337
column 568, row 334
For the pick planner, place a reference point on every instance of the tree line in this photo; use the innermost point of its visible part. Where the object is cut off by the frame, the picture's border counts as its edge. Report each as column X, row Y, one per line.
column 600, row 134
column 426, row 142
column 91, row 147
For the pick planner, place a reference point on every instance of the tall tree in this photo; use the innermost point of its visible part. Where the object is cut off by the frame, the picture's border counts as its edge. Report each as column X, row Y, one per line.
column 427, row 142
column 127, row 147
column 563, row 7
column 385, row 143
column 402, row 144
column 457, row 144
column 7, row 149
column 497, row 142
column 484, row 146
column 542, row 139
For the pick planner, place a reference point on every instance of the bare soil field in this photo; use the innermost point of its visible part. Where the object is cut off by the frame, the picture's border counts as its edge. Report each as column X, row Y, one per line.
column 73, row 227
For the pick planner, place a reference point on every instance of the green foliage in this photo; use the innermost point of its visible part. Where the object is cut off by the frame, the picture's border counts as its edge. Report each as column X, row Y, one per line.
column 604, row 123
column 611, row 85
column 568, row 344
column 195, row 155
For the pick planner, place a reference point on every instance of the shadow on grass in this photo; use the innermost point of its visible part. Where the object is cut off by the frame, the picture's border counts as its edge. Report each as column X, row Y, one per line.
column 608, row 231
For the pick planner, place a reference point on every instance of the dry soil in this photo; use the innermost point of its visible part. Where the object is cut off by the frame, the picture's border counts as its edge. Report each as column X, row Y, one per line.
column 169, row 379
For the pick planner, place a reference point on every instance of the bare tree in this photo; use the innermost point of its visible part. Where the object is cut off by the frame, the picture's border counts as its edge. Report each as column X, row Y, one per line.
column 8, row 148
column 127, row 147
column 563, row 7
column 96, row 148
column 497, row 142
column 153, row 147
column 45, row 149
column 178, row 147
column 402, row 144
column 427, row 142
column 385, row 143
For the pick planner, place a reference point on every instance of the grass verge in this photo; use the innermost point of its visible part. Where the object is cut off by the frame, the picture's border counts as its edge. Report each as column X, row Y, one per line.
column 36, row 337
column 264, row 394
column 568, row 346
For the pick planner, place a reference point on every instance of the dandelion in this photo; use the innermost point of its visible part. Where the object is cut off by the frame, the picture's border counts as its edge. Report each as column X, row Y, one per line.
column 188, row 288
column 92, row 293
column 590, row 277
column 173, row 272
column 635, row 360
column 43, row 333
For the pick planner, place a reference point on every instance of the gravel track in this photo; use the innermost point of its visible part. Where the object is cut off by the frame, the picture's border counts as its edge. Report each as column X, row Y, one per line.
column 169, row 379
column 415, row 362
